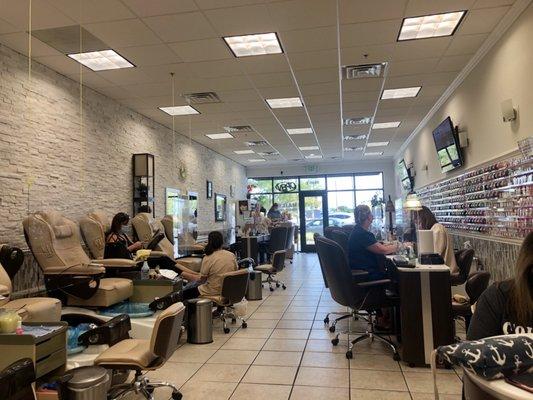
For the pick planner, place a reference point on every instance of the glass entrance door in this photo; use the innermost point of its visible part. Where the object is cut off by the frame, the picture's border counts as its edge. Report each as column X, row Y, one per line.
column 313, row 217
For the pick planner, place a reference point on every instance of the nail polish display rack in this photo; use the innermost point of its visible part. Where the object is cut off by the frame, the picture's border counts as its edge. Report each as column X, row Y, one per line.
column 494, row 200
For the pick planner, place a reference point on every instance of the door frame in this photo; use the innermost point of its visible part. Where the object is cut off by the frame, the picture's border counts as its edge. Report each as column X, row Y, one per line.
column 310, row 248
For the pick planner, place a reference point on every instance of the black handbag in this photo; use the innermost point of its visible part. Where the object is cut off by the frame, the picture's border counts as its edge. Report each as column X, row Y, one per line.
column 117, row 250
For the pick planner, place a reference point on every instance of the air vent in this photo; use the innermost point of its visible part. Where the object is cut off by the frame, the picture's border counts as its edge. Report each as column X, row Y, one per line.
column 354, row 137
column 201, row 98
column 269, row 153
column 239, row 129
column 357, row 121
column 363, row 71
column 355, row 148
column 257, row 143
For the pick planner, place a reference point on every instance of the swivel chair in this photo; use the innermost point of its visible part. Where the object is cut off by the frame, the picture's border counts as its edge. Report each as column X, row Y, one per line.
column 68, row 272
column 464, row 260
column 278, row 264
column 348, row 229
column 277, row 241
column 32, row 309
column 475, row 285
column 145, row 355
column 234, row 285
column 16, row 380
column 369, row 295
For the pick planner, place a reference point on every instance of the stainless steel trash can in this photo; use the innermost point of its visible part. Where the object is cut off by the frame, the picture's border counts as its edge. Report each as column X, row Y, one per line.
column 85, row 383
column 255, row 290
column 199, row 321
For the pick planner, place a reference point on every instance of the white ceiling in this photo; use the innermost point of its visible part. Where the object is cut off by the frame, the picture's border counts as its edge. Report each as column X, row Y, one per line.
column 185, row 37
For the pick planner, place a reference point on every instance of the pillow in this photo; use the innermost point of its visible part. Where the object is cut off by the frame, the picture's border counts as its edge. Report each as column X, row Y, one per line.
column 492, row 358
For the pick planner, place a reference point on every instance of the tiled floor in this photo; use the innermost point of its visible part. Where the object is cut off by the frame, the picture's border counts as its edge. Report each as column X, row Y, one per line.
column 286, row 353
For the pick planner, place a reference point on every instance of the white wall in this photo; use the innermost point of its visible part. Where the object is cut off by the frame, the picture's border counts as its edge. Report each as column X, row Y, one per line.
column 505, row 72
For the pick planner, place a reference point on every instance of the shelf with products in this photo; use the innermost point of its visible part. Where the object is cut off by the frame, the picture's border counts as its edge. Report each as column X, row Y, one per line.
column 495, row 199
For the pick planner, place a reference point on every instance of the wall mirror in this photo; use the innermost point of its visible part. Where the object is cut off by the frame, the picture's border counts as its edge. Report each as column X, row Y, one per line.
column 193, row 213
column 220, row 207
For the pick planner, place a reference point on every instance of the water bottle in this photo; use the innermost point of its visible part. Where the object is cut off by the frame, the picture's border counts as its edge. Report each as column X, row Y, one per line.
column 145, row 271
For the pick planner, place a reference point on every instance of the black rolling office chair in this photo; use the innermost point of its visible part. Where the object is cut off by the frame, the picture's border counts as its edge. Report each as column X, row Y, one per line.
column 277, row 242
column 475, row 285
column 278, row 264
column 369, row 295
column 290, row 240
column 464, row 260
column 348, row 229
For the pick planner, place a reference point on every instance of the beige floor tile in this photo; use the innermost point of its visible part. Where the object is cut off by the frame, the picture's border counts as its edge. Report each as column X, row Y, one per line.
column 303, row 303
column 254, row 333
column 294, row 324
column 305, row 316
column 369, row 394
column 325, row 346
column 262, row 323
column 266, row 315
column 175, row 373
column 369, row 347
column 207, row 390
column 431, row 396
column 319, row 393
column 324, row 360
column 245, row 357
column 406, row 368
column 273, row 375
column 374, row 362
column 248, row 391
column 290, row 334
column 325, row 377
column 323, row 333
column 301, row 309
column 243, row 344
column 272, row 308
column 423, row 383
column 289, row 358
column 285, row 345
column 384, row 380
column 220, row 373
column 216, row 344
column 191, row 353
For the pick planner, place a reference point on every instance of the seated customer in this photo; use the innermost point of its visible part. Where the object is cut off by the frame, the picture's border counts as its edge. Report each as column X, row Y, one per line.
column 118, row 244
column 441, row 240
column 507, row 307
column 274, row 212
column 364, row 251
column 215, row 263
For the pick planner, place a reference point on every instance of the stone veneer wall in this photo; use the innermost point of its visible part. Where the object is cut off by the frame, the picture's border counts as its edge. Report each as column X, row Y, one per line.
column 48, row 163
column 498, row 257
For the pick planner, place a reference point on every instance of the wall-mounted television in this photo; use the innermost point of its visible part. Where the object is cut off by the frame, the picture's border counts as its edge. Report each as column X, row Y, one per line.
column 405, row 176
column 447, row 145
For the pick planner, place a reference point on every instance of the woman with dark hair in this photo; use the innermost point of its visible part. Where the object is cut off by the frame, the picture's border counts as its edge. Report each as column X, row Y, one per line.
column 116, row 234
column 441, row 240
column 507, row 307
column 215, row 264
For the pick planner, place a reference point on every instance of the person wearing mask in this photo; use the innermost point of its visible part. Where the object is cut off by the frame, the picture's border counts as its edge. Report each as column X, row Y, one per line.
column 442, row 242
column 507, row 307
column 216, row 262
column 118, row 243
column 364, row 251
column 274, row 212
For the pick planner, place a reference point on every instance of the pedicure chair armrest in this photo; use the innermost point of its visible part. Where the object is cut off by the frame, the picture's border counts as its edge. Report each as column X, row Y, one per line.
column 80, row 269
column 4, row 291
column 373, row 284
column 115, row 262
column 157, row 254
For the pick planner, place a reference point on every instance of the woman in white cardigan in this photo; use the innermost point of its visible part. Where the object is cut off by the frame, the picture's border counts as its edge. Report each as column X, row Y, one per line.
column 441, row 239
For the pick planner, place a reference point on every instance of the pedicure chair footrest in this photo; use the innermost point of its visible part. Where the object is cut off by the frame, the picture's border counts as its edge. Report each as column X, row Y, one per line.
column 110, row 333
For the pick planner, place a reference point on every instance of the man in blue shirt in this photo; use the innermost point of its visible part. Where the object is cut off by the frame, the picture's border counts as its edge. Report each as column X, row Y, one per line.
column 274, row 212
column 364, row 251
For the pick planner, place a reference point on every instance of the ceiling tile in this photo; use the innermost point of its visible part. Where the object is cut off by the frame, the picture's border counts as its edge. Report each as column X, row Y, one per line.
column 415, row 49
column 130, row 32
column 127, row 76
column 313, row 59
column 91, row 79
column 318, row 75
column 367, row 54
column 218, row 68
column 409, row 67
column 309, row 39
column 141, row 56
column 19, row 42
column 44, row 15
column 492, row 3
column 354, row 11
column 145, row 8
column 265, row 64
column 272, row 80
column 93, row 10
column 425, row 7
column 209, row 4
column 452, row 63
column 370, row 33
column 465, row 44
column 6, row 27
column 241, row 20
column 483, row 20
column 181, row 27
column 201, row 50
column 62, row 64
column 302, row 14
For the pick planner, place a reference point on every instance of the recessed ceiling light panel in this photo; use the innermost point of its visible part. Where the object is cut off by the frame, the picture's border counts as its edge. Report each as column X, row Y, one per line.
column 377, row 144
column 430, row 26
column 305, row 148
column 102, row 60
column 299, row 131
column 244, row 152
column 386, row 125
column 256, row 143
column 287, row 102
column 354, row 148
column 354, row 137
column 257, row 160
column 377, row 153
column 254, row 45
column 357, row 121
column 313, row 156
column 179, row 110
column 218, row 136
column 268, row 153
column 400, row 93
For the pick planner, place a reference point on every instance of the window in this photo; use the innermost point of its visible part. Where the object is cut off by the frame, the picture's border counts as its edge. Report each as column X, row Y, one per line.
column 264, row 199
column 369, row 181
column 341, row 206
column 340, row 182
column 365, row 196
column 260, row 185
column 286, row 185
column 313, row 183
column 289, row 202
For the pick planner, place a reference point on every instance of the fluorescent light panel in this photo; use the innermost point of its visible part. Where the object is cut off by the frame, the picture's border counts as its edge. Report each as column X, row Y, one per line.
column 256, row 143
column 308, row 148
column 179, row 110
column 386, row 125
column 377, row 153
column 377, row 144
column 287, row 102
column 254, row 45
column 102, row 60
column 355, row 148
column 313, row 156
column 257, row 160
column 400, row 93
column 299, row 131
column 217, row 136
column 354, row 137
column 244, row 152
column 430, row 26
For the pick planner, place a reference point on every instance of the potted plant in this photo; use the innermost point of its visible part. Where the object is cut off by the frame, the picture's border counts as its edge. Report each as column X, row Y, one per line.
column 377, row 206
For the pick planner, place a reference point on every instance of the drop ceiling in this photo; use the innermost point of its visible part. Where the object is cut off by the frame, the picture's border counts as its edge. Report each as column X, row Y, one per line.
column 318, row 38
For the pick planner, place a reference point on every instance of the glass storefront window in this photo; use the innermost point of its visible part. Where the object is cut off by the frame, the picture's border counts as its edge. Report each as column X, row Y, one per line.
column 289, row 202
column 285, row 185
column 340, row 182
column 260, row 185
column 313, row 183
column 370, row 181
column 264, row 199
column 341, row 208
column 365, row 196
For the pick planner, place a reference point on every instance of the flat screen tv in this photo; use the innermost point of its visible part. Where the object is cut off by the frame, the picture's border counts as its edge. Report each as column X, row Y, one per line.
column 447, row 145
column 405, row 178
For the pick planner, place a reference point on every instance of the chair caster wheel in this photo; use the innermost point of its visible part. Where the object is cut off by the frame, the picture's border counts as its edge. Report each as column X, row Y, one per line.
column 335, row 341
column 277, row 284
column 226, row 330
column 244, row 325
column 332, row 328
column 349, row 355
column 271, row 289
column 233, row 320
column 177, row 396
column 284, row 287
column 396, row 357
column 326, row 320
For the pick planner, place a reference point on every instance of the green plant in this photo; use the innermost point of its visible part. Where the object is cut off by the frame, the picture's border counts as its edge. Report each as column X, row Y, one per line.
column 376, row 201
